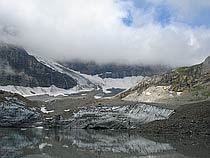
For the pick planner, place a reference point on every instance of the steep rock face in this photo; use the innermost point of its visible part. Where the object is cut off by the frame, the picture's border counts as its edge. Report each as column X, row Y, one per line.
column 118, row 117
column 179, row 80
column 15, row 113
column 19, row 68
column 206, row 66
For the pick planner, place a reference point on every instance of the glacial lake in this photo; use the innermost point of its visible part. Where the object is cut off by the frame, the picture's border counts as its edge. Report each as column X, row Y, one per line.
column 41, row 143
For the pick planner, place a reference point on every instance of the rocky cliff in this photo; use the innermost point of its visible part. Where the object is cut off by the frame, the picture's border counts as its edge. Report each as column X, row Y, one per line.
column 19, row 68
column 194, row 79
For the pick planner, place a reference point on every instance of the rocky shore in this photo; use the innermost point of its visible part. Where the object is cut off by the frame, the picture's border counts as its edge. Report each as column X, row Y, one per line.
column 88, row 113
column 189, row 119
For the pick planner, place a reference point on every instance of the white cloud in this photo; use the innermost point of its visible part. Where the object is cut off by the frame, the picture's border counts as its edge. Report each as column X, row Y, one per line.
column 93, row 30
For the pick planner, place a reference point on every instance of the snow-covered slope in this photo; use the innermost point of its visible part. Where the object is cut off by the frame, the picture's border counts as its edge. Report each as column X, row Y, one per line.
column 81, row 80
column 95, row 81
column 84, row 82
column 51, row 91
column 109, row 83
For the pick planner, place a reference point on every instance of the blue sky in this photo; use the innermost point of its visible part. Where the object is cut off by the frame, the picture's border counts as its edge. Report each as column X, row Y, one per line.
column 165, row 13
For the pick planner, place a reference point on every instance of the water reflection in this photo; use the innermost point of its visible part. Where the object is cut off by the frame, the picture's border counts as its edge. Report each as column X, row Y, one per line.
column 116, row 142
column 12, row 142
column 36, row 143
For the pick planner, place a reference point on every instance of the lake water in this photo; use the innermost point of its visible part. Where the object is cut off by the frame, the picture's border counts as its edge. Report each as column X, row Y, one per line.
column 40, row 143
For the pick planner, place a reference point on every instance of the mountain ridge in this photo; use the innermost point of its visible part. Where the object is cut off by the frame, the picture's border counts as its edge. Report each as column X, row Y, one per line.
column 19, row 68
column 180, row 80
column 113, row 70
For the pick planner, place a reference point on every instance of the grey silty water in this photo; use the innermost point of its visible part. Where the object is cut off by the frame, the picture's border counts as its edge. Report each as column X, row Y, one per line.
column 40, row 143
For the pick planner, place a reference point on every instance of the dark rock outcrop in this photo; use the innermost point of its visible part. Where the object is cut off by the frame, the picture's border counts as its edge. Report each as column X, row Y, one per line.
column 14, row 111
column 206, row 66
column 19, row 68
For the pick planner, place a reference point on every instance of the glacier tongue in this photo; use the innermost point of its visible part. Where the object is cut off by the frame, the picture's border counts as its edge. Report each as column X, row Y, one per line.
column 93, row 81
column 118, row 117
column 81, row 80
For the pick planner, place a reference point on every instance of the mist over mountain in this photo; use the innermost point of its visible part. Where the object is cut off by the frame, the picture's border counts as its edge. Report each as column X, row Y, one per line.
column 19, row 68
column 116, row 70
column 25, row 74
column 116, row 31
column 192, row 83
column 98, row 78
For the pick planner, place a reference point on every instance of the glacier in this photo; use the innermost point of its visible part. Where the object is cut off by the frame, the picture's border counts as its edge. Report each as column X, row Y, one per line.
column 95, row 81
column 118, row 117
column 51, row 91
column 86, row 83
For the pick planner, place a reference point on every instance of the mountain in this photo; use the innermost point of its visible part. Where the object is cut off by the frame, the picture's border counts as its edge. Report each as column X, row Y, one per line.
column 193, row 81
column 19, row 68
column 115, row 70
column 82, row 81
column 29, row 75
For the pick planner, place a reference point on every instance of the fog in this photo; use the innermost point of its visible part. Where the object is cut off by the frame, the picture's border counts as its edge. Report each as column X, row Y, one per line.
column 119, row 31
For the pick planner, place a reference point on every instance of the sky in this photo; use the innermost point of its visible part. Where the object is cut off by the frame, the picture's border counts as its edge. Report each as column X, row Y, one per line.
column 169, row 32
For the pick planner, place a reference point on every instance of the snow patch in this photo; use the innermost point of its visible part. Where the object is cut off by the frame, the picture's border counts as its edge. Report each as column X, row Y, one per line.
column 51, row 91
column 65, row 146
column 43, row 145
column 39, row 127
column 44, row 110
column 97, row 97
column 179, row 93
column 117, row 83
column 148, row 93
column 152, row 94
column 23, row 129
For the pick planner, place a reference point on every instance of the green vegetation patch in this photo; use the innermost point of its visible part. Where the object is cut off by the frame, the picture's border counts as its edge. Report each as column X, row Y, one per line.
column 182, row 70
column 201, row 90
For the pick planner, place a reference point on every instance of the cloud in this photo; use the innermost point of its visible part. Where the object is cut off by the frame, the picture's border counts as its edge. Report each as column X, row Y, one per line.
column 97, row 30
